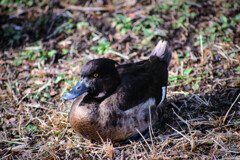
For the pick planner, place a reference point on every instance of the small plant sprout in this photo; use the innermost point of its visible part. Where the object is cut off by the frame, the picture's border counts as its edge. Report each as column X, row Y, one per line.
column 102, row 48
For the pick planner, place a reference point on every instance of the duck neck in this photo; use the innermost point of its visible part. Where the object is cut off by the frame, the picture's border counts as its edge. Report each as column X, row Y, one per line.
column 109, row 86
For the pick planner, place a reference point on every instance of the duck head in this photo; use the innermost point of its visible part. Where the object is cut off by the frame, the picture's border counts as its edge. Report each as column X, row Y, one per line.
column 99, row 77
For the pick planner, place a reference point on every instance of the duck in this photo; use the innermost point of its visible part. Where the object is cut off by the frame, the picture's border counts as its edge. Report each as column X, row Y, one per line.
column 115, row 102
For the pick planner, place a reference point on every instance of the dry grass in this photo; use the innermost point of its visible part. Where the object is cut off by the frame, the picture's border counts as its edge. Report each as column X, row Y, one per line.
column 196, row 126
column 198, row 123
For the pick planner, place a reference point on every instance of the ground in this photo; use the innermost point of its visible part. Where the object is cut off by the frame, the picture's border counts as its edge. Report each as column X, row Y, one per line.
column 44, row 44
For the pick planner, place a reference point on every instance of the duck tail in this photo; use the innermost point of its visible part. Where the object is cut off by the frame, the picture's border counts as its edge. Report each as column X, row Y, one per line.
column 162, row 51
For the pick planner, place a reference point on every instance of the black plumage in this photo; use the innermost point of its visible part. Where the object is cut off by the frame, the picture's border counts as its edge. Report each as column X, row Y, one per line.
column 117, row 100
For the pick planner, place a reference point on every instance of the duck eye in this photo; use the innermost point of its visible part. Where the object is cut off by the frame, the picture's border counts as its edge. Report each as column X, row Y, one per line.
column 95, row 75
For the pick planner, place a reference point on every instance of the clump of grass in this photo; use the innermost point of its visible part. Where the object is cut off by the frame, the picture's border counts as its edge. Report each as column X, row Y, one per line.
column 122, row 23
column 102, row 48
column 35, row 53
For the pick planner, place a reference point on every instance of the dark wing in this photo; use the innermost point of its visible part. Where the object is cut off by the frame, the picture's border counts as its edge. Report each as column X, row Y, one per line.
column 139, row 82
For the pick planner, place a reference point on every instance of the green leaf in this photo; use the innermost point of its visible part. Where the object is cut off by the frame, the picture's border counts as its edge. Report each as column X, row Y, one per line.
column 43, row 58
column 237, row 17
column 30, row 2
column 176, row 25
column 148, row 33
column 102, row 48
column 17, row 36
column 43, row 99
column 30, row 127
column 94, row 48
column 195, row 87
column 171, row 79
column 46, row 95
column 238, row 69
column 187, row 71
column 70, row 82
column 104, row 43
column 232, row 55
column 205, row 72
column 175, row 1
column 34, row 56
column 59, row 78
column 193, row 14
column 224, row 19
column 82, row 24
column 165, row 6
column 17, row 62
column 235, row 5
column 65, row 51
column 52, row 52
column 211, row 29
column 181, row 77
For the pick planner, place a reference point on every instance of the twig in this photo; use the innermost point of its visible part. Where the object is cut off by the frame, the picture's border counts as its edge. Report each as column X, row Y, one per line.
column 145, row 140
column 57, row 30
column 200, row 101
column 230, row 108
column 119, row 54
column 14, row 142
column 201, row 45
column 79, row 8
column 20, row 12
column 191, row 140
column 150, row 128
column 122, row 155
column 179, row 133
column 134, row 150
column 6, row 157
column 28, row 92
column 174, row 105
column 85, row 9
column 43, row 87
column 9, row 85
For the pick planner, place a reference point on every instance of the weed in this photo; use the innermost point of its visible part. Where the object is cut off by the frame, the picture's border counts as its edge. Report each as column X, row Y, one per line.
column 122, row 23
column 173, row 78
column 195, row 86
column 15, row 32
column 82, row 25
column 182, row 11
column 102, row 48
column 66, row 27
column 65, row 51
column 149, row 29
column 34, row 53
column 183, row 57
column 221, row 30
column 31, row 128
column 46, row 95
column 187, row 72
column 237, row 17
column 17, row 4
column 148, row 33
column 184, row 14
column 59, row 78
column 238, row 69
column 154, row 21
column 163, row 7
column 73, row 81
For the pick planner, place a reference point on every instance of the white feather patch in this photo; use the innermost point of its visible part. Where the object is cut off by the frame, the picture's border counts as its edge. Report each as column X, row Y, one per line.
column 163, row 94
column 142, row 106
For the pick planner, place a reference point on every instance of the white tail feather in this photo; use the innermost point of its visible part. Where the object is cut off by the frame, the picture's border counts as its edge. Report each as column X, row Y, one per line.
column 162, row 51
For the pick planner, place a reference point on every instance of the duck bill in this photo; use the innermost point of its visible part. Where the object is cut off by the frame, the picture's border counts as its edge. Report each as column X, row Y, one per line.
column 77, row 91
